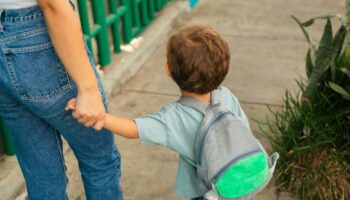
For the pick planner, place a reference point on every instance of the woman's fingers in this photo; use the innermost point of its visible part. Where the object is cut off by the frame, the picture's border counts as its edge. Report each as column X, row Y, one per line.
column 85, row 119
column 90, row 123
column 96, row 121
column 88, row 109
column 71, row 104
column 99, row 125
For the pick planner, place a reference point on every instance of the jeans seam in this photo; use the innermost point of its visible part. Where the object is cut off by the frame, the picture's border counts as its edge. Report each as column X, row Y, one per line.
column 12, row 76
column 55, row 93
column 24, row 19
column 61, row 156
column 23, row 35
column 28, row 49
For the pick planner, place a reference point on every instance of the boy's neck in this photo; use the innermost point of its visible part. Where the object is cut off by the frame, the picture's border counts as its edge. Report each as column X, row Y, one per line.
column 201, row 97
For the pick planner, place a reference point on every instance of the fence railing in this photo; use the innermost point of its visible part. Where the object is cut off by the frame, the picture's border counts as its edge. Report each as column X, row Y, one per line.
column 125, row 18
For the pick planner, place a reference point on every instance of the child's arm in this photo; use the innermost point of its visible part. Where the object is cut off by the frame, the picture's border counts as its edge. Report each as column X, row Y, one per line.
column 119, row 125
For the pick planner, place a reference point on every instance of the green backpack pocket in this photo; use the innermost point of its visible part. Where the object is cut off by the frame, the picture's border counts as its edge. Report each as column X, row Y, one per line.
column 244, row 176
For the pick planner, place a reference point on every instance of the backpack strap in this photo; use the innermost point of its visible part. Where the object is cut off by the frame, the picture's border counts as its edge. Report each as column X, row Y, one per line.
column 201, row 106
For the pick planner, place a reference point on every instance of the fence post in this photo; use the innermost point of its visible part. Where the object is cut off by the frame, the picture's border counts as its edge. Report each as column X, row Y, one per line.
column 99, row 15
column 9, row 148
column 160, row 4
column 127, row 21
column 114, row 20
column 144, row 12
column 136, row 21
column 151, row 9
column 84, row 20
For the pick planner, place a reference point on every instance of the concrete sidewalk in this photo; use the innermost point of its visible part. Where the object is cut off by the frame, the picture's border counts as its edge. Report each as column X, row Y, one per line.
column 267, row 50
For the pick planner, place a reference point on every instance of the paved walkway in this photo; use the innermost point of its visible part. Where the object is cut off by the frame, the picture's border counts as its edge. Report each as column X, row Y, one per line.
column 267, row 50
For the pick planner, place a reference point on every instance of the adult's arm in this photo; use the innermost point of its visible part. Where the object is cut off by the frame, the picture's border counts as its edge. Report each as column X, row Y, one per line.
column 67, row 38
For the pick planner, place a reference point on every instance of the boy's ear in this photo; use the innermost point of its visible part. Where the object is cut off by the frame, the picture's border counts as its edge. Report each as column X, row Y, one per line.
column 166, row 69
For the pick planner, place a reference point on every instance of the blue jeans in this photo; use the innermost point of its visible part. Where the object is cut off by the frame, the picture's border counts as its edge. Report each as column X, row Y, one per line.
column 34, row 89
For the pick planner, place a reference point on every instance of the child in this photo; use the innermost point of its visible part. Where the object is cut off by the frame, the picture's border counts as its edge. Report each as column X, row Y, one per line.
column 198, row 61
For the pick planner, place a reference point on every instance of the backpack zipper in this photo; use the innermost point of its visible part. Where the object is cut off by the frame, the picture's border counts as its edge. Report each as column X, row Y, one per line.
column 218, row 118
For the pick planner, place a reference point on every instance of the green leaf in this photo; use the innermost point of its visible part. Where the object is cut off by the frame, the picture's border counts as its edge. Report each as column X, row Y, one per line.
column 323, row 61
column 345, row 71
column 311, row 21
column 340, row 37
column 339, row 90
column 325, row 56
column 344, row 49
column 346, row 61
column 308, row 22
column 343, row 59
column 306, row 34
column 310, row 63
column 333, row 71
column 325, row 42
column 339, row 40
column 348, row 16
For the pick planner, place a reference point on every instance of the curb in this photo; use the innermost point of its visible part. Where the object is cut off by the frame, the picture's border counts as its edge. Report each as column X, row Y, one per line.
column 124, row 66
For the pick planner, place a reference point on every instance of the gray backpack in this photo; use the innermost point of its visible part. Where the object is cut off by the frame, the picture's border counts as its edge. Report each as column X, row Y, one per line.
column 231, row 163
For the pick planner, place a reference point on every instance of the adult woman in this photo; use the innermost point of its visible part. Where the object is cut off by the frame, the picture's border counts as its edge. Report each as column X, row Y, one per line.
column 43, row 63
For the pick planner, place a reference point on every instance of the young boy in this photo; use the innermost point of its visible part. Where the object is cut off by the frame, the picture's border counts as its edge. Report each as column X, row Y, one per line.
column 198, row 61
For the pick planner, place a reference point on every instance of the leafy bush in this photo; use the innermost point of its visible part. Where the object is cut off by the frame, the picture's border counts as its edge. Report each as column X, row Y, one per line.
column 312, row 131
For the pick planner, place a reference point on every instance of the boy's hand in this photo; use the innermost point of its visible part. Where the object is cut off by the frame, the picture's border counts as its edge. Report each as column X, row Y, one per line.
column 71, row 106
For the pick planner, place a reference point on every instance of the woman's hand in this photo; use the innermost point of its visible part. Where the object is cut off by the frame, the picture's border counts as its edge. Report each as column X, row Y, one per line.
column 88, row 109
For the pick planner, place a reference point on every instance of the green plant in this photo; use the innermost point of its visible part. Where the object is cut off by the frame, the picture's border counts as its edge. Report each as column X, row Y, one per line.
column 331, row 55
column 312, row 131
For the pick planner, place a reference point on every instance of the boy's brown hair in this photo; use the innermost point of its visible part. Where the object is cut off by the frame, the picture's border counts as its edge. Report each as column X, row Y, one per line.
column 198, row 59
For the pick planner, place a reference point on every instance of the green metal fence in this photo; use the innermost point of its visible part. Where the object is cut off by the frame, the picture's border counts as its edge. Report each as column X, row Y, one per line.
column 5, row 134
column 125, row 18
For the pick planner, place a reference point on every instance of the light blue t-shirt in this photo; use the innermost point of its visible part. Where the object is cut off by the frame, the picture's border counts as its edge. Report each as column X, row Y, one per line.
column 176, row 127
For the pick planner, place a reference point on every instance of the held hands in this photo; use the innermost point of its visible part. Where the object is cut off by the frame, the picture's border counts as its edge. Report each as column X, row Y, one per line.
column 88, row 109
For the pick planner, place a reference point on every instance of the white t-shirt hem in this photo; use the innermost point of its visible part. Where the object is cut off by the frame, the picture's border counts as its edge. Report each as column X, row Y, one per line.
column 16, row 4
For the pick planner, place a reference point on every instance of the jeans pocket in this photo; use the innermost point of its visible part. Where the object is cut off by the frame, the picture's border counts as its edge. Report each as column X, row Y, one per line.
column 36, row 71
